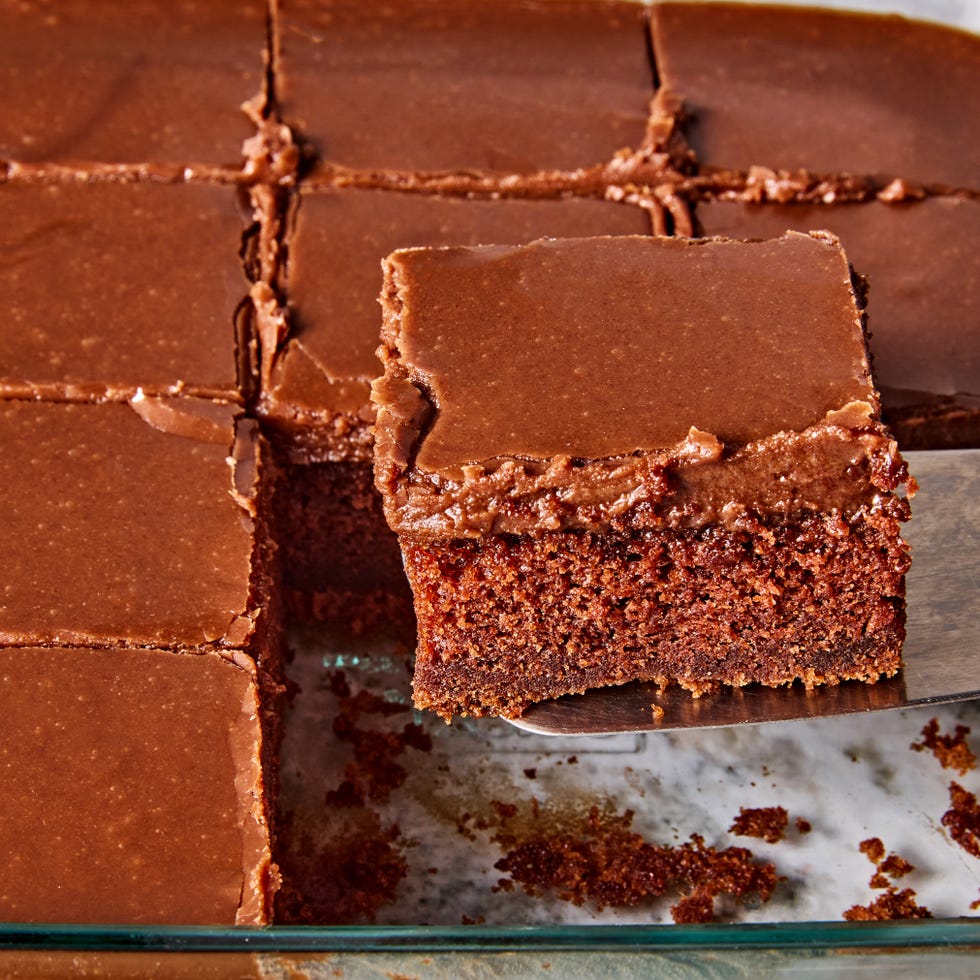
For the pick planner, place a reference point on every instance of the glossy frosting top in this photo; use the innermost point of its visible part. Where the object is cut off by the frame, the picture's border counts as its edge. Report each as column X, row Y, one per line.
column 109, row 287
column 594, row 348
column 129, row 81
column 429, row 85
column 580, row 369
column 126, row 524
column 132, row 788
column 826, row 91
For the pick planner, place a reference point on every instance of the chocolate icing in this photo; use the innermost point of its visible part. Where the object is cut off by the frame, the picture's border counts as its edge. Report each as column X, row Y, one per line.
column 131, row 81
column 150, row 547
column 922, row 263
column 678, row 388
column 111, row 287
column 509, row 87
column 132, row 791
column 823, row 91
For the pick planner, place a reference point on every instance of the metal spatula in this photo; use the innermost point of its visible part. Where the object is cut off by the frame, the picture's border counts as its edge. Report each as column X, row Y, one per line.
column 941, row 653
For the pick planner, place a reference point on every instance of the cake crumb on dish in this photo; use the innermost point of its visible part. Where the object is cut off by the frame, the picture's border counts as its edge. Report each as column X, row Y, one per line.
column 962, row 819
column 766, row 822
column 893, row 904
column 607, row 864
column 951, row 751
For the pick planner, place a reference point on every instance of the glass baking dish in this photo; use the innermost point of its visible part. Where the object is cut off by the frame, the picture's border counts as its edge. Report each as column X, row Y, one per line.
column 849, row 779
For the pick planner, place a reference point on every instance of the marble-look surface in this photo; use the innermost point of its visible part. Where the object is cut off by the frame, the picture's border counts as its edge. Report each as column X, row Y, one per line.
column 850, row 777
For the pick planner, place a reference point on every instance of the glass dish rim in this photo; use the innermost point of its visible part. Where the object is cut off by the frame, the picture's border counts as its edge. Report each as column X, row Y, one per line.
column 893, row 934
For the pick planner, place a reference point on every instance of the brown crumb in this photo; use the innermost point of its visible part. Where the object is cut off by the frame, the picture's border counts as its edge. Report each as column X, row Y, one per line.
column 952, row 751
column 892, row 866
column 766, row 822
column 657, row 711
column 373, row 772
column 892, row 904
column 962, row 819
column 505, row 811
column 348, row 870
column 803, row 826
column 874, row 848
column 603, row 862
column 346, row 862
column 469, row 921
column 975, row 904
column 531, row 773
column 895, row 866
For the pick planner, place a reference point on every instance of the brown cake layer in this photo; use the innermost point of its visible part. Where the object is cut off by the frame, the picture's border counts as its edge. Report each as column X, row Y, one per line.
column 614, row 459
column 167, row 89
column 557, row 94
column 340, row 561
column 922, row 263
column 509, row 620
column 833, row 94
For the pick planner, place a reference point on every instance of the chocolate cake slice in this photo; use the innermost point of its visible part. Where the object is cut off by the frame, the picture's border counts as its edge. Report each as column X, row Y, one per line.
column 464, row 95
column 822, row 101
column 637, row 458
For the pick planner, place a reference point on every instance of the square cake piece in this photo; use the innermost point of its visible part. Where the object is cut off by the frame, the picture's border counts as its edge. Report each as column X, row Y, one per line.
column 138, row 564
column 828, row 92
column 132, row 788
column 113, row 287
column 131, row 82
column 434, row 88
column 922, row 263
column 637, row 459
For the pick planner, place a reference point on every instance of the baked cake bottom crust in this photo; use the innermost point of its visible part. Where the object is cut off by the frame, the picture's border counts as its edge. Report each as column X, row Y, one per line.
column 507, row 621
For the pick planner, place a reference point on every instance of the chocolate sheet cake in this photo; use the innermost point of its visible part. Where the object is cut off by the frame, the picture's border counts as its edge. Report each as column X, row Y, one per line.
column 195, row 200
column 613, row 459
